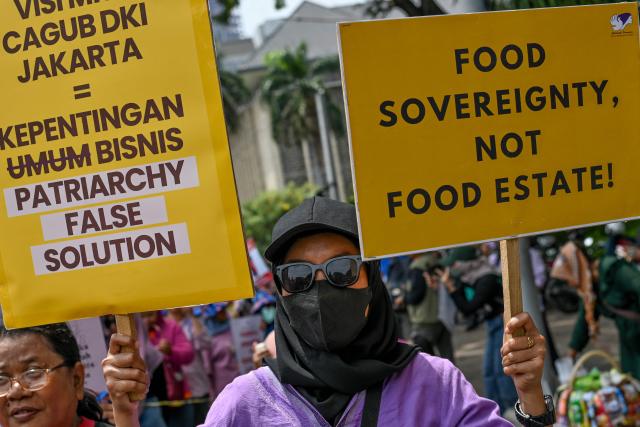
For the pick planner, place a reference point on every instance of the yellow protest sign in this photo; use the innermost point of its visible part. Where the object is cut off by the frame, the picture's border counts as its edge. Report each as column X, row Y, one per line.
column 117, row 185
column 469, row 128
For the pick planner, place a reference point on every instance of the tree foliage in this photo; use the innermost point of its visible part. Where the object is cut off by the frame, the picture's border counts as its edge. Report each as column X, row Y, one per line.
column 235, row 95
column 260, row 214
column 289, row 87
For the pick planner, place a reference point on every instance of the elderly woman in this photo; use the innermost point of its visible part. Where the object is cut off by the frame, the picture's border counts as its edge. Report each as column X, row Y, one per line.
column 42, row 380
column 339, row 361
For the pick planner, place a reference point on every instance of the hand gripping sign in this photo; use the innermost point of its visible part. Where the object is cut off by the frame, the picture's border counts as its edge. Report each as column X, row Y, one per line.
column 117, row 186
column 470, row 128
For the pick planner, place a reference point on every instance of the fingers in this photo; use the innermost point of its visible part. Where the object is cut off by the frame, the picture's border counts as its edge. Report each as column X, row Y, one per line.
column 125, row 373
column 120, row 388
column 125, row 381
column 522, row 343
column 529, row 370
column 521, row 321
column 118, row 341
column 521, row 356
column 125, row 360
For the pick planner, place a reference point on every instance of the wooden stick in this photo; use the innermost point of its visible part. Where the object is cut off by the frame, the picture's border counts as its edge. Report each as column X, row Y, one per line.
column 511, row 289
column 126, row 324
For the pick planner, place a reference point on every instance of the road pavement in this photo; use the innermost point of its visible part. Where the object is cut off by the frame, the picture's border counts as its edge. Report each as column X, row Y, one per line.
column 469, row 346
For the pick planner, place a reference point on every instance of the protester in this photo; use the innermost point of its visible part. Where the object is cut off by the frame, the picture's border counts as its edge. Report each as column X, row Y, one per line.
column 42, row 380
column 195, row 372
column 338, row 353
column 617, row 296
column 264, row 304
column 264, row 350
column 168, row 381
column 223, row 365
column 573, row 266
column 427, row 331
column 466, row 268
column 395, row 273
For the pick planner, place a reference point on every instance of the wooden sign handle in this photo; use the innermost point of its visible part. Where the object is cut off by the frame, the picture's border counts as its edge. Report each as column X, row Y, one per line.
column 126, row 325
column 511, row 289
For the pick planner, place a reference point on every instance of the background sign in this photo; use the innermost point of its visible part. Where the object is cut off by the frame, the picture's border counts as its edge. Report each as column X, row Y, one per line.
column 245, row 331
column 117, row 186
column 93, row 349
column 467, row 128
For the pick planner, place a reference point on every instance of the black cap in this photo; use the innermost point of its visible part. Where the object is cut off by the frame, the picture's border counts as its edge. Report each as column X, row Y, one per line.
column 317, row 214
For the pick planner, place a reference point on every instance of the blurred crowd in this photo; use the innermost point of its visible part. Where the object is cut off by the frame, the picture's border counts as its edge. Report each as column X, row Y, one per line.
column 432, row 293
column 191, row 356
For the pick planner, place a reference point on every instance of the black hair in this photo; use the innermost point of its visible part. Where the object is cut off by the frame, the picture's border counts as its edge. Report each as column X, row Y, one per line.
column 62, row 341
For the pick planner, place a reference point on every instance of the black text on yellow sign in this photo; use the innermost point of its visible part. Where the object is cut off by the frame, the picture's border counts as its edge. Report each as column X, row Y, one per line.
column 493, row 125
column 117, row 187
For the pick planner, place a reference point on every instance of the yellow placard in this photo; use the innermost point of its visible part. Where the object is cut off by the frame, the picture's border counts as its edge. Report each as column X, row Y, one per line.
column 469, row 128
column 117, row 186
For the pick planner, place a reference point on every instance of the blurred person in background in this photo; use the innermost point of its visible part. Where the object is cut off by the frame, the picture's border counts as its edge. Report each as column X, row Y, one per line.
column 395, row 273
column 264, row 305
column 222, row 357
column 465, row 268
column 264, row 350
column 42, row 380
column 421, row 298
column 168, row 382
column 617, row 296
column 196, row 373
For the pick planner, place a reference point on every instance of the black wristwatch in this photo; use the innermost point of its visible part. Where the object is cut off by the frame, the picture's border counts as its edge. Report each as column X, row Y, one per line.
column 546, row 419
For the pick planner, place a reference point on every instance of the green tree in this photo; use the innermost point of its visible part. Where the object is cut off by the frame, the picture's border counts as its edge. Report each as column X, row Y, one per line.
column 235, row 95
column 260, row 214
column 289, row 88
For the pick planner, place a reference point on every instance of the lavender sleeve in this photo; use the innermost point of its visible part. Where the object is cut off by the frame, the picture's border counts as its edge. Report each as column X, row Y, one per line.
column 246, row 402
column 428, row 392
column 432, row 392
column 469, row 408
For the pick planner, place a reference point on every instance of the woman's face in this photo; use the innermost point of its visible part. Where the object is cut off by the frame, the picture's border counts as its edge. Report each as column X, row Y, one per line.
column 53, row 406
column 321, row 247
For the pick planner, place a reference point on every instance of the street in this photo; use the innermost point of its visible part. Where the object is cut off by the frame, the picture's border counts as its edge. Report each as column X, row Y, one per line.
column 469, row 346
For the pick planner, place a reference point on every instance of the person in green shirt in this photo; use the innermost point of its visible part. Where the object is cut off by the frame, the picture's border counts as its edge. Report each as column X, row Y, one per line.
column 618, row 297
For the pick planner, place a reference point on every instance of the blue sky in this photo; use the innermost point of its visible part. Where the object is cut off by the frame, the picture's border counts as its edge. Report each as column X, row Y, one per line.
column 255, row 12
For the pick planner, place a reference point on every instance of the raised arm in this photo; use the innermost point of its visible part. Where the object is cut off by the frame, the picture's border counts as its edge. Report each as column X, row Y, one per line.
column 124, row 373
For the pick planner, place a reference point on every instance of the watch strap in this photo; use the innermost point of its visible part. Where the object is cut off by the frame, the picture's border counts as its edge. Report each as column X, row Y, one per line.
column 546, row 419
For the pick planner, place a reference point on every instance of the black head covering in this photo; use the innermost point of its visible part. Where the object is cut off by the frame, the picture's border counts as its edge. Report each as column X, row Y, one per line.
column 328, row 380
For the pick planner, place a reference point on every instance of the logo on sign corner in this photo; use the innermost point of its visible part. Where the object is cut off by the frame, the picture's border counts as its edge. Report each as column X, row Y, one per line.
column 620, row 22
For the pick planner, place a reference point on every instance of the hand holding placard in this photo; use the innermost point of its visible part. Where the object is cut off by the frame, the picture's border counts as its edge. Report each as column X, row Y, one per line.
column 127, row 326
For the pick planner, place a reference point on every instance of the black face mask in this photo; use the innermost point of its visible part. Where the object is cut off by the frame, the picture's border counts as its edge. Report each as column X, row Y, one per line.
column 326, row 317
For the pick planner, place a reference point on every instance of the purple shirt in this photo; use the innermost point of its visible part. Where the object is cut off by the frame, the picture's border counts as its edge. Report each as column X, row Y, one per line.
column 430, row 391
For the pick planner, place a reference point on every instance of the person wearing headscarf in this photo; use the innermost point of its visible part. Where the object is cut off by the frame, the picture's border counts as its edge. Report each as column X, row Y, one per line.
column 339, row 361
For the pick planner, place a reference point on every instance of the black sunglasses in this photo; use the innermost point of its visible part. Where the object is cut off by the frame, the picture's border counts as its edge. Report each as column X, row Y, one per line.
column 341, row 271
